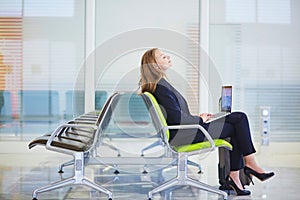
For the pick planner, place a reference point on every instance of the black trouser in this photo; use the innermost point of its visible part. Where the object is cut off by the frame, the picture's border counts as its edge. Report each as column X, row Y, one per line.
column 236, row 127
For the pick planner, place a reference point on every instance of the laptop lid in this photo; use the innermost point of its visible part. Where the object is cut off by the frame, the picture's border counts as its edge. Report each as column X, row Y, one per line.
column 226, row 99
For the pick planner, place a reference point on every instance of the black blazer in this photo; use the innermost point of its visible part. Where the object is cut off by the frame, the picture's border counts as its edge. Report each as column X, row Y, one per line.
column 176, row 111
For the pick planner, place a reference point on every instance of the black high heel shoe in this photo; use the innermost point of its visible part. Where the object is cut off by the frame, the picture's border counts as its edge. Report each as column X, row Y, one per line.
column 261, row 176
column 237, row 190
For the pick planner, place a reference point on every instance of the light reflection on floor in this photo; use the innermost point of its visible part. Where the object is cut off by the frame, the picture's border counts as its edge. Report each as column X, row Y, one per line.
column 21, row 173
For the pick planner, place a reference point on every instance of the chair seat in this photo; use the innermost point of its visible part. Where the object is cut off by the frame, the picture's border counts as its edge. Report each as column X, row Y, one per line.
column 183, row 151
column 202, row 145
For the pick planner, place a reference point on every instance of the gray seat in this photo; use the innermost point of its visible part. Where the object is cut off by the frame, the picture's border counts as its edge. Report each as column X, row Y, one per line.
column 77, row 140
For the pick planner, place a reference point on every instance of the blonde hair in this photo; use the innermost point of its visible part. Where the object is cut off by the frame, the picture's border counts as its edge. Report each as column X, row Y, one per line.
column 150, row 72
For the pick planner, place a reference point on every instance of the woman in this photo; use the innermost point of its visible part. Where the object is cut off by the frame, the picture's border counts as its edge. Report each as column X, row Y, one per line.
column 154, row 65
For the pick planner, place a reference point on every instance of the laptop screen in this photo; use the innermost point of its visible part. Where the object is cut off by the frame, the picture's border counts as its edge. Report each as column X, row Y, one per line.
column 226, row 99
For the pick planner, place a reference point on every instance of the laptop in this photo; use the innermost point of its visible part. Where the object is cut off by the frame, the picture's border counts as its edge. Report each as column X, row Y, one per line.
column 225, row 103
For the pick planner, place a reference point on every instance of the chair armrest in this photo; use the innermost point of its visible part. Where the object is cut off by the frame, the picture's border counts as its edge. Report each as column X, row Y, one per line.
column 194, row 126
column 58, row 131
column 78, row 125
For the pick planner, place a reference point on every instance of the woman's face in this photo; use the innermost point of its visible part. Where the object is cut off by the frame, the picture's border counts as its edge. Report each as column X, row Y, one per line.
column 163, row 60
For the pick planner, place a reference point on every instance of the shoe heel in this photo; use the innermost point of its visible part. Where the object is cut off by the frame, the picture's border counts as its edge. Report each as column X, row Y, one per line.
column 250, row 178
column 238, row 191
column 260, row 176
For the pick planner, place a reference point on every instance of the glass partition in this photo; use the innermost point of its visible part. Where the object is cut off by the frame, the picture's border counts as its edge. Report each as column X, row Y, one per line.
column 254, row 46
column 42, row 46
column 126, row 29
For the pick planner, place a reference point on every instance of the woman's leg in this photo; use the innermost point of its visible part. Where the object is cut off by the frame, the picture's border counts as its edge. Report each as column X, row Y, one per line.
column 235, row 176
column 243, row 140
column 229, row 127
column 251, row 162
column 236, row 127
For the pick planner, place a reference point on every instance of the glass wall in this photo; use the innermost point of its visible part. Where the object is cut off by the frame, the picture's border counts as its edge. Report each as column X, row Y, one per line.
column 254, row 45
column 126, row 29
column 42, row 44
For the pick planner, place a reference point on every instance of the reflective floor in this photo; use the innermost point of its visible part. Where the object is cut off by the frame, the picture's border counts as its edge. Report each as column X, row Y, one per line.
column 23, row 170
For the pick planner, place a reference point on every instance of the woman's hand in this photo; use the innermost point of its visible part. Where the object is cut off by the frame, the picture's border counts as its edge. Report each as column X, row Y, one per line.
column 206, row 116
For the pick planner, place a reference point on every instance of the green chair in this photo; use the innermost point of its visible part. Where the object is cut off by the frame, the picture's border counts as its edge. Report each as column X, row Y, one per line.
column 184, row 151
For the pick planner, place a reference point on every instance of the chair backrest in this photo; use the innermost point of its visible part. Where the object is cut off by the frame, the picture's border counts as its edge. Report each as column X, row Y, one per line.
column 106, row 112
column 105, row 116
column 157, row 115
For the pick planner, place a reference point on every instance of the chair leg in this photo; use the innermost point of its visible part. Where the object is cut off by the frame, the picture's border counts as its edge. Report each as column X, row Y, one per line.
column 183, row 179
column 206, row 187
column 97, row 187
column 77, row 179
column 60, row 168
column 71, row 162
column 178, row 180
column 53, row 186
column 171, row 183
column 71, row 181
column 154, row 144
column 196, row 165
column 112, row 147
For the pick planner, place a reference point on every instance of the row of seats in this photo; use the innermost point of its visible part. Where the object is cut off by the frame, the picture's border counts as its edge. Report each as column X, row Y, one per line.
column 81, row 136
column 78, row 138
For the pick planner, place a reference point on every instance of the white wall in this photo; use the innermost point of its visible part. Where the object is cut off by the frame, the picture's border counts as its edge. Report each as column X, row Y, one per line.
column 117, row 18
